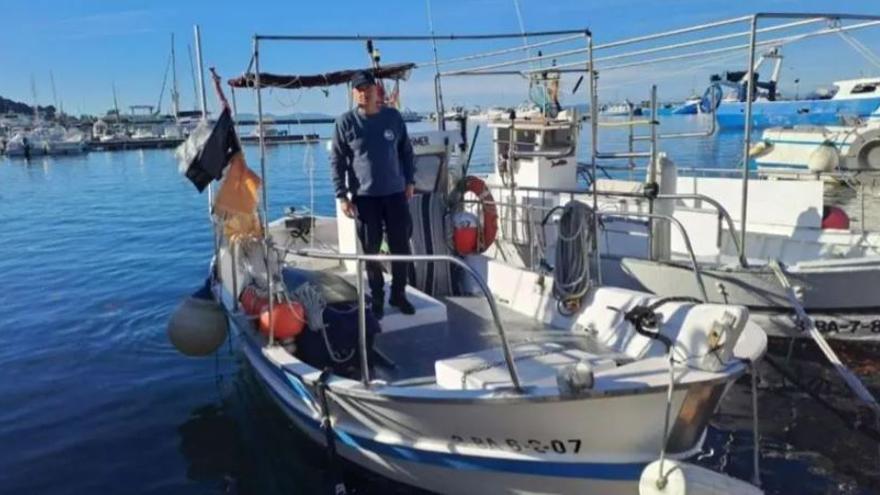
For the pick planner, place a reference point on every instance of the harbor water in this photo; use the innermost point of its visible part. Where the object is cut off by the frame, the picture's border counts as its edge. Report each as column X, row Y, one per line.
column 98, row 249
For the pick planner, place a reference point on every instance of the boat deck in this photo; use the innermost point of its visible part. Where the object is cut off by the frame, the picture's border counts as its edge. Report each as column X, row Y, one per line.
column 469, row 328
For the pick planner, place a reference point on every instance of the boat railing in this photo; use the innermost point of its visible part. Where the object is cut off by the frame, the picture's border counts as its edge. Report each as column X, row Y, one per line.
column 724, row 216
column 694, row 171
column 361, row 259
column 545, row 211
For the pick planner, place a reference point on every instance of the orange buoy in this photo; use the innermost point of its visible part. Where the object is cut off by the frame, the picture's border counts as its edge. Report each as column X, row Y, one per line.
column 288, row 319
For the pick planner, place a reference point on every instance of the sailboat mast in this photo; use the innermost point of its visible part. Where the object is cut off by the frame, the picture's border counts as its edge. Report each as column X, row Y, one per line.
column 202, row 97
column 34, row 96
column 175, row 96
column 54, row 94
column 192, row 72
column 115, row 103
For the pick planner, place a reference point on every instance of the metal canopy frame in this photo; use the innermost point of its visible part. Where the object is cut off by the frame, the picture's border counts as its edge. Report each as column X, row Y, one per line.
column 257, row 86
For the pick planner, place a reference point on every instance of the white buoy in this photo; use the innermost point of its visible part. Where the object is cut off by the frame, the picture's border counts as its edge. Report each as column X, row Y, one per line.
column 198, row 327
column 825, row 158
column 683, row 478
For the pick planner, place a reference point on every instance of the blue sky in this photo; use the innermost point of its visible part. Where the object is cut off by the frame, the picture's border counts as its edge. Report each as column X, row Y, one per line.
column 89, row 45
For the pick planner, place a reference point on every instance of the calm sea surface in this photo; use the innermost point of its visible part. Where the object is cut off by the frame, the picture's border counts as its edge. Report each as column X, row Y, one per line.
column 95, row 253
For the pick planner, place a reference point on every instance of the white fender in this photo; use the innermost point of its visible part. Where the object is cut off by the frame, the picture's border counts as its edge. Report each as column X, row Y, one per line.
column 687, row 479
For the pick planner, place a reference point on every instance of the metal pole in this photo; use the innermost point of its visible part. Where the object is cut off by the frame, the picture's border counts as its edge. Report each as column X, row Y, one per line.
column 438, row 91
column 652, row 169
column 631, row 141
column 747, row 139
column 362, row 324
column 202, row 96
column 861, row 205
column 421, row 37
column 176, row 95
column 438, row 104
column 265, row 204
column 198, row 40
column 756, row 434
column 594, row 150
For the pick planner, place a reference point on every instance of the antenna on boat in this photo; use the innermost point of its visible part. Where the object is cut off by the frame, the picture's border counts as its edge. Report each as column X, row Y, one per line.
column 522, row 27
column 438, row 90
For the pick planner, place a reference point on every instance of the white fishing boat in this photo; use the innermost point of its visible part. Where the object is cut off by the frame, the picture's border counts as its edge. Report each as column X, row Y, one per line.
column 526, row 380
column 26, row 144
column 16, row 145
column 60, row 141
column 144, row 133
column 740, row 239
column 821, row 149
column 624, row 109
column 104, row 132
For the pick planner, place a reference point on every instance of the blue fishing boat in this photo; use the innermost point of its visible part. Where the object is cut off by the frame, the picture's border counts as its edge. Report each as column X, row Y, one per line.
column 691, row 106
column 850, row 99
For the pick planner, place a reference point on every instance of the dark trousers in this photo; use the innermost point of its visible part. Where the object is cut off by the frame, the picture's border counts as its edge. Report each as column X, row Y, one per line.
column 389, row 215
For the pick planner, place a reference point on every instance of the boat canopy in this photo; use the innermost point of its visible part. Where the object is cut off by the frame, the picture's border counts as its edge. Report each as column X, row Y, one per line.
column 393, row 71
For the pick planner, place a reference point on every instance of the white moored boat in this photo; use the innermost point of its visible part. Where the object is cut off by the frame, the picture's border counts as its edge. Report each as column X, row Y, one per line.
column 720, row 238
column 821, row 149
column 523, row 381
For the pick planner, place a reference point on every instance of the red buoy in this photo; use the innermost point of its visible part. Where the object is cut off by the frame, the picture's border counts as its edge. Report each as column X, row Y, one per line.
column 834, row 217
column 251, row 300
column 465, row 235
column 288, row 319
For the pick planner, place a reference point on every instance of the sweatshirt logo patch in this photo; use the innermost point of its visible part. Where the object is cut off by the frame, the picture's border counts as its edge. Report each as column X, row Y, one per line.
column 389, row 135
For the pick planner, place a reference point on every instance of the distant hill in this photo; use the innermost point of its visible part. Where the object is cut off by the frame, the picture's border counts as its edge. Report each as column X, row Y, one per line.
column 7, row 106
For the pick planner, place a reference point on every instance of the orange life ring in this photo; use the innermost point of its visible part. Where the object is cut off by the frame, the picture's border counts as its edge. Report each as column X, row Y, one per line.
column 488, row 228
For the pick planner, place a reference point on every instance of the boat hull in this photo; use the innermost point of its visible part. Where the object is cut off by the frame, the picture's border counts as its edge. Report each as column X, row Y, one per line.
column 463, row 447
column 858, row 147
column 796, row 112
column 824, row 290
column 687, row 109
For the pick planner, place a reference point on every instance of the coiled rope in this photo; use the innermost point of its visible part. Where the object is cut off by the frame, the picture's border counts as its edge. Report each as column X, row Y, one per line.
column 571, row 273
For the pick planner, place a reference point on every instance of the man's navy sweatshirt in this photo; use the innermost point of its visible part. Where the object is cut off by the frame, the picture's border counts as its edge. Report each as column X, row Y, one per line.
column 371, row 155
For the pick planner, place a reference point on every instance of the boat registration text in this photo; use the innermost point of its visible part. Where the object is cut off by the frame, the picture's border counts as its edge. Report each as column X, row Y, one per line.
column 558, row 446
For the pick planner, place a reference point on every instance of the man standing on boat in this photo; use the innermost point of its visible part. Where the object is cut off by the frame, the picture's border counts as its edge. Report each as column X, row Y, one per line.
column 373, row 172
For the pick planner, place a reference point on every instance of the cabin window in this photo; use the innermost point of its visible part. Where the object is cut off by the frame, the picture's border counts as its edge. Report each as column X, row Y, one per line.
column 865, row 88
column 557, row 139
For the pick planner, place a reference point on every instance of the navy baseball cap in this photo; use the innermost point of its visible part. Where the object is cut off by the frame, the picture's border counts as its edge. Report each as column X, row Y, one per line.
column 362, row 78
